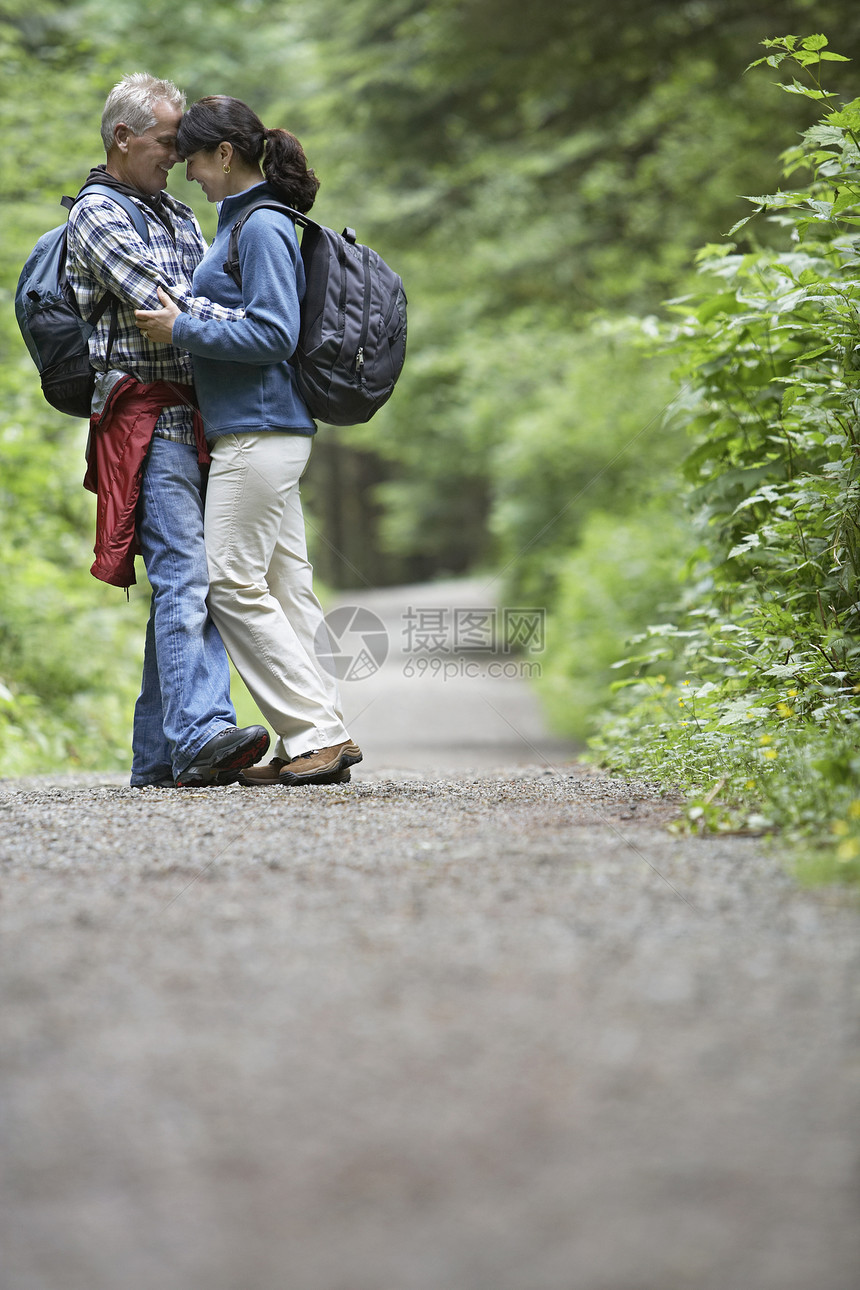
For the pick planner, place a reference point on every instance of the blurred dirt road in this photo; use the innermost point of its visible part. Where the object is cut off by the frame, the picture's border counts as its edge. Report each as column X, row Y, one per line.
column 474, row 1022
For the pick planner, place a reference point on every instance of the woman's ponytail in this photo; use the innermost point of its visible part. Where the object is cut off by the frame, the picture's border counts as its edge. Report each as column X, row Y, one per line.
column 286, row 169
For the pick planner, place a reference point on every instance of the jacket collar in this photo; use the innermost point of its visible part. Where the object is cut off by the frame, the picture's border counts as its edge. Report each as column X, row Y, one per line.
column 231, row 207
column 161, row 203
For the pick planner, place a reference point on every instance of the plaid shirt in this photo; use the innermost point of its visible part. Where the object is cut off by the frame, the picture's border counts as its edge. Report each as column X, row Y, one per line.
column 106, row 253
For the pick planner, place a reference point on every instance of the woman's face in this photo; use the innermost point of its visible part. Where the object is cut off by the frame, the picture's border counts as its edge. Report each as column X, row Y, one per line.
column 207, row 169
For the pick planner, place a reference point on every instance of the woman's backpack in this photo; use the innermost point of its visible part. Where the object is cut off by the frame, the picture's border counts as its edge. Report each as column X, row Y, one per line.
column 47, row 312
column 352, row 337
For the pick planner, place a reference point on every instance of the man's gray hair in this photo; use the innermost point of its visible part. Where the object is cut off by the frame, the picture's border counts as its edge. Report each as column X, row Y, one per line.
column 132, row 101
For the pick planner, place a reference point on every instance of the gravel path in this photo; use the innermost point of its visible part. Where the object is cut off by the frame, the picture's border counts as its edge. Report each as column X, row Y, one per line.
column 469, row 1029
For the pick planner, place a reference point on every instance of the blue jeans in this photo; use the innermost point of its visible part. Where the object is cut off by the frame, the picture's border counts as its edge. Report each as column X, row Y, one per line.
column 185, row 693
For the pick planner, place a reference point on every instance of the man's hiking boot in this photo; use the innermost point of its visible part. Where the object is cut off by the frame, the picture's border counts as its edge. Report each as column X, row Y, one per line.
column 221, row 759
column 321, row 765
column 268, row 775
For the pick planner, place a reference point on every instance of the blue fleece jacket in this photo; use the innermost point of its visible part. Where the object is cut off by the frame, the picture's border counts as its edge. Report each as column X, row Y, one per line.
column 243, row 379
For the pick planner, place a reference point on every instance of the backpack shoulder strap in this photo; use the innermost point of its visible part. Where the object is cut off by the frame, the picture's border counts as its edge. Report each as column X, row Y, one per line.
column 133, row 211
column 231, row 264
column 141, row 227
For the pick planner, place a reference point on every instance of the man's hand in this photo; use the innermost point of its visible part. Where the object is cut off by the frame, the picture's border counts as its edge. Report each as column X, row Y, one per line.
column 157, row 324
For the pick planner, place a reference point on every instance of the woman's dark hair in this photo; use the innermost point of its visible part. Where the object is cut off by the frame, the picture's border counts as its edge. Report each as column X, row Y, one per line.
column 219, row 119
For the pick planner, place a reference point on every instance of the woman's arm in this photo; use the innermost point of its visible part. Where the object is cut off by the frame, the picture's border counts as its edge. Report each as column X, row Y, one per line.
column 269, row 331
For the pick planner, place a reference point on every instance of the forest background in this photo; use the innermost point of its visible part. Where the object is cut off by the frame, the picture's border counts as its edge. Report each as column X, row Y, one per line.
column 543, row 179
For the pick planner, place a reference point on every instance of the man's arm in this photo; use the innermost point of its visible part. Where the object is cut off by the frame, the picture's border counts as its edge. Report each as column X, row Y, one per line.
column 106, row 246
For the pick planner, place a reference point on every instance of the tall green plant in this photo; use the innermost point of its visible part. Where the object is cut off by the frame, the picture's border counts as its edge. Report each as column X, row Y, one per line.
column 751, row 694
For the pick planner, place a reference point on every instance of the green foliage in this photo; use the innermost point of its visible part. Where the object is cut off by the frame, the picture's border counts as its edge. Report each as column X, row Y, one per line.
column 609, row 585
column 750, row 697
column 574, row 447
column 68, row 650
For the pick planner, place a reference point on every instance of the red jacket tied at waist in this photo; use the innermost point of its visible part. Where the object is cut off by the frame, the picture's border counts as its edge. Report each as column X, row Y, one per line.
column 119, row 442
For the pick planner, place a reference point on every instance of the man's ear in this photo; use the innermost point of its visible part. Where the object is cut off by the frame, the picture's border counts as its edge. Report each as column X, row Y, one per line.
column 121, row 135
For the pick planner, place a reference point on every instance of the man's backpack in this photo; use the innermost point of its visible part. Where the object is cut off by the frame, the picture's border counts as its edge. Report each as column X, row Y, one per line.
column 352, row 336
column 54, row 331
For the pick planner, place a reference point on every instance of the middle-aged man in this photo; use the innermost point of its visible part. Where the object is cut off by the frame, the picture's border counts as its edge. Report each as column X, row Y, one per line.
column 146, row 444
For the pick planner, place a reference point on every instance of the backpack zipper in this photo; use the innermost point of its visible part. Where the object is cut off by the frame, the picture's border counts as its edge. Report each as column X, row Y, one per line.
column 365, row 316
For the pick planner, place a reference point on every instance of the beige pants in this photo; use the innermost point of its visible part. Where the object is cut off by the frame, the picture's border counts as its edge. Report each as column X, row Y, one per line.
column 261, row 586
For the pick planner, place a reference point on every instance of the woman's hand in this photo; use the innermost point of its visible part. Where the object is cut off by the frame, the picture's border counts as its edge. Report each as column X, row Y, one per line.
column 157, row 324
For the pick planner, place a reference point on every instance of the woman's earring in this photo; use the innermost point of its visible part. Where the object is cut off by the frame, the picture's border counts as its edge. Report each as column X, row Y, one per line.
column 226, row 169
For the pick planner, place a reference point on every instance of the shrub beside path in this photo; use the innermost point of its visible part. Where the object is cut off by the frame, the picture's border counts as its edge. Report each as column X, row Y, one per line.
column 473, row 1021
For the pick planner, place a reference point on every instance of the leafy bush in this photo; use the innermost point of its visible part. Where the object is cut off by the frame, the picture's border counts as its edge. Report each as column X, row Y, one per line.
column 69, row 646
column 750, row 696
column 608, row 587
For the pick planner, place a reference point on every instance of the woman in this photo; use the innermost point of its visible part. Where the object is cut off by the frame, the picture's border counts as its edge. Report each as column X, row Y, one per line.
column 259, row 433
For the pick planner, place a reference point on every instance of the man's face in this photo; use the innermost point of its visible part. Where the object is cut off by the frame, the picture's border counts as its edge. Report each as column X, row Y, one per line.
column 144, row 159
